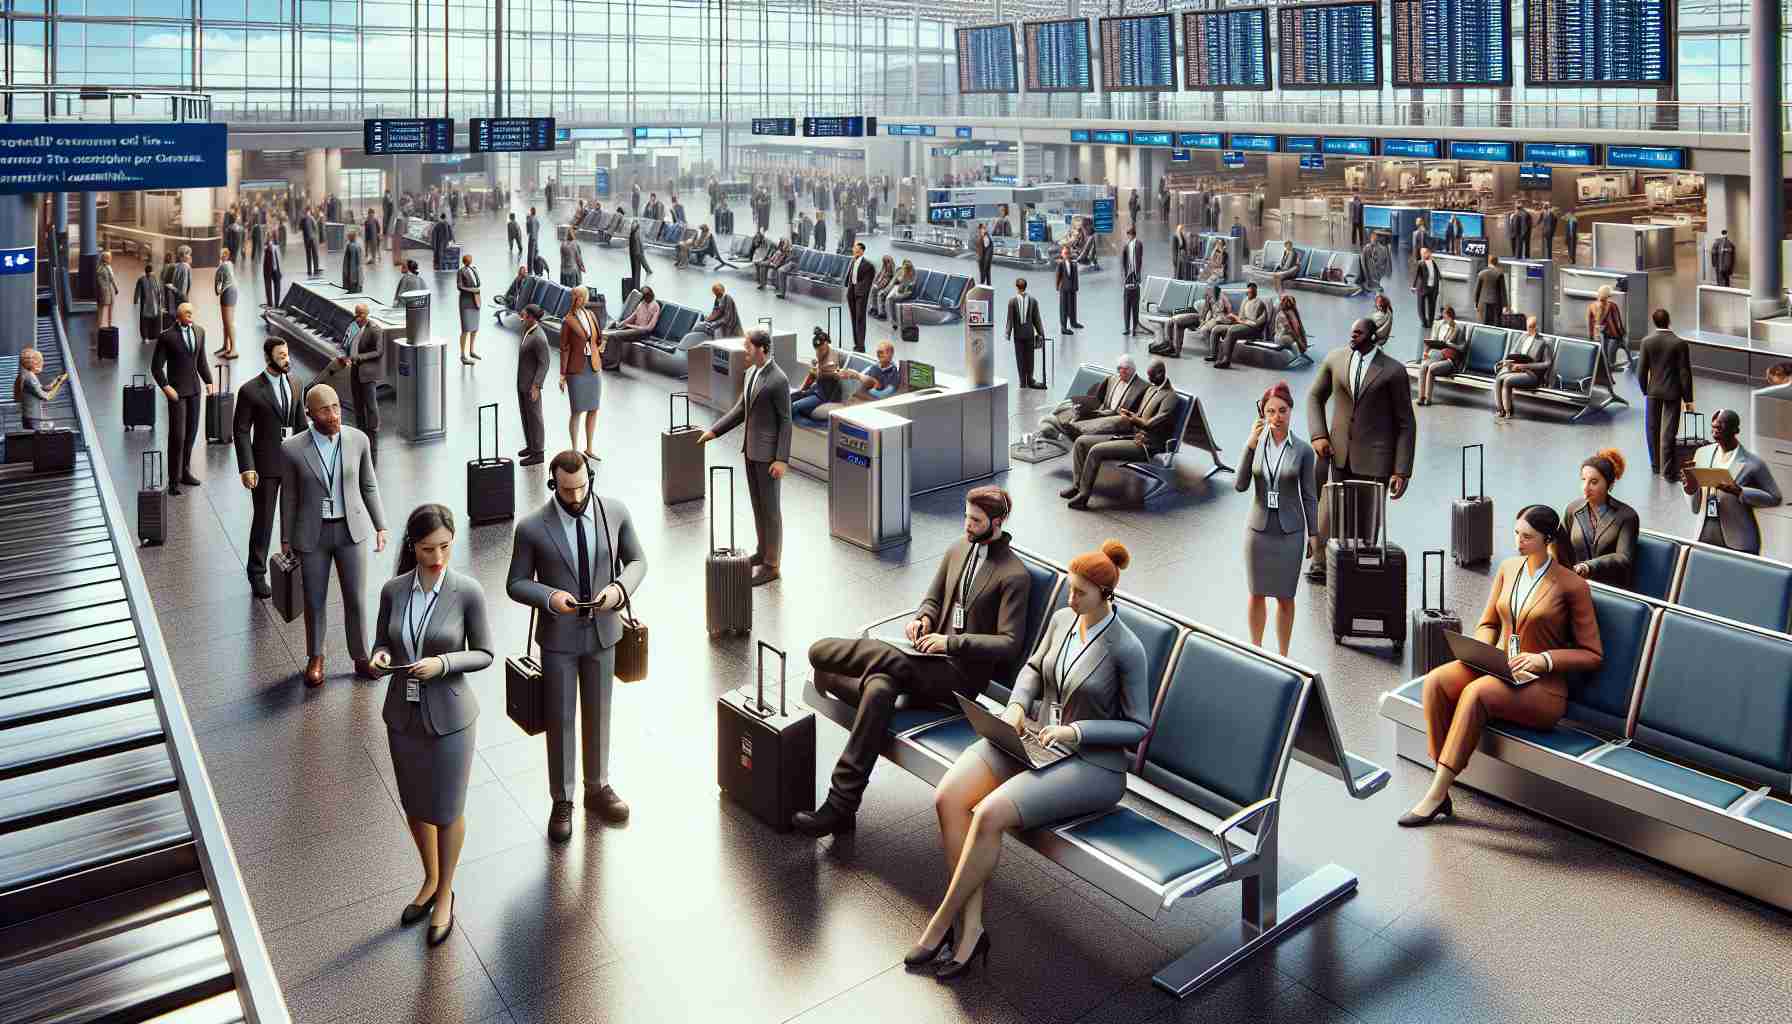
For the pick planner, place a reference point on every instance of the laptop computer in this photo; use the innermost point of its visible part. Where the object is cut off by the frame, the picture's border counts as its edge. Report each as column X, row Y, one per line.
column 1023, row 748
column 1490, row 660
column 893, row 633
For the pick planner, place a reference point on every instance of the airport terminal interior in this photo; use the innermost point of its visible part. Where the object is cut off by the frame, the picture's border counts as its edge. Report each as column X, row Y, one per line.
column 1128, row 311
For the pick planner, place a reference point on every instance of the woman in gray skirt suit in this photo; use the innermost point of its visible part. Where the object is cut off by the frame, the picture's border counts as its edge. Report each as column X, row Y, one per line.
column 107, row 284
column 1284, row 522
column 224, row 285
column 466, row 283
column 1088, row 676
column 432, row 621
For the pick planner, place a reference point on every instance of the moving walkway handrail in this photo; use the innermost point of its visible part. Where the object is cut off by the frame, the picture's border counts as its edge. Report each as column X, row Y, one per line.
column 256, row 985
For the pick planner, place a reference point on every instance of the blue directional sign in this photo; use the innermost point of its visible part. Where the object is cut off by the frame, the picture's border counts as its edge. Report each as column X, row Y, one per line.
column 106, row 157
column 1151, row 138
column 1113, row 136
column 963, row 131
column 1179, row 156
column 1232, row 158
column 601, row 182
column 1577, row 154
column 1423, row 149
column 1647, row 158
column 1254, row 143
column 910, row 130
column 1079, row 135
column 1103, row 216
column 1347, row 146
column 18, row 261
column 1198, row 140
column 1312, row 162
column 1503, row 152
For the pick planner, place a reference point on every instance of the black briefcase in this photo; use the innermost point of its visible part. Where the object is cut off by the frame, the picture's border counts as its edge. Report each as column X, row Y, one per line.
column 152, row 502
column 288, row 585
column 20, row 444
column 53, row 451
column 139, row 403
column 524, row 700
column 765, row 757
column 491, row 483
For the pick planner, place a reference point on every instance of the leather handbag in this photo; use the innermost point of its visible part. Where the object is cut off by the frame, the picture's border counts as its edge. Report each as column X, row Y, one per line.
column 524, row 700
column 631, row 649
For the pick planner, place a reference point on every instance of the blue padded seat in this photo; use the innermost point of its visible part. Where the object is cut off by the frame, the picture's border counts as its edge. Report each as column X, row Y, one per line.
column 1721, row 696
column 1737, row 586
column 1602, row 698
column 913, row 718
column 1569, row 742
column 1576, row 362
column 1143, row 845
column 1656, row 559
column 1693, row 785
column 948, row 739
column 1221, row 725
column 1776, row 813
column 1486, row 347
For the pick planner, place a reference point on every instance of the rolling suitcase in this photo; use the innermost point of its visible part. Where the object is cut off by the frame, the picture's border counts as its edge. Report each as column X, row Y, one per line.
column 765, row 758
column 1471, row 519
column 220, row 411
column 1687, row 443
column 450, row 258
column 152, row 503
column 139, row 403
column 681, row 457
column 1429, row 624
column 728, row 572
column 1366, row 578
column 107, row 340
column 53, row 451
column 524, row 700
column 288, row 584
column 491, row 483
column 20, row 444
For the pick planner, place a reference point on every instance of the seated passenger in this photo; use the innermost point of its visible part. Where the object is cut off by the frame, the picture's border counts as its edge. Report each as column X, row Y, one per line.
column 882, row 380
column 1382, row 316
column 1211, row 313
column 1215, row 270
column 1541, row 615
column 770, row 261
column 821, row 386
column 974, row 613
column 1251, row 321
column 886, row 273
column 1286, row 267
column 1119, row 392
column 723, row 320
column 519, row 286
column 1527, row 365
column 601, row 221
column 1599, row 531
column 1443, row 353
column 1290, row 331
column 901, row 289
column 1141, row 435
column 1092, row 658
column 637, row 325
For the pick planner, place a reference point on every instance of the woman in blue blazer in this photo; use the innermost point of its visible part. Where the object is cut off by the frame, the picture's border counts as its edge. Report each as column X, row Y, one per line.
column 433, row 626
column 1088, row 675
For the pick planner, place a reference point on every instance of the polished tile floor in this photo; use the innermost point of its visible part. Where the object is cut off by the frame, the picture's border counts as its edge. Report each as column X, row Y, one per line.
column 694, row 911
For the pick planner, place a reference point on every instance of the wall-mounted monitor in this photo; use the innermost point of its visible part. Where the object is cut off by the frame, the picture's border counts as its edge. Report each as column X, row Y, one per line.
column 1536, row 177
column 1420, row 149
column 1152, row 138
column 1059, row 55
column 510, row 134
column 1231, row 158
column 1226, row 50
column 1329, row 46
column 1574, row 154
column 1647, row 158
column 1312, row 162
column 391, row 136
column 986, row 59
column 1300, row 143
column 774, row 126
column 1254, row 143
column 1333, row 145
column 1111, row 137
column 1138, row 53
column 1199, row 140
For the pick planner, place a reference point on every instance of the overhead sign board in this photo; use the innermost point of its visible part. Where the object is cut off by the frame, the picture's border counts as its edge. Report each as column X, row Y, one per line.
column 1254, row 143
column 1647, row 158
column 1150, row 138
column 393, row 136
column 774, row 126
column 914, row 130
column 22, row 260
column 1422, row 149
column 1112, row 136
column 106, row 157
column 1198, row 140
column 839, row 127
column 1577, row 154
column 1504, row 152
column 510, row 134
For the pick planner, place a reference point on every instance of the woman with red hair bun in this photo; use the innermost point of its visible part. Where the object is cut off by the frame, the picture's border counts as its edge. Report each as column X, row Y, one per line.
column 1281, row 472
column 1598, row 531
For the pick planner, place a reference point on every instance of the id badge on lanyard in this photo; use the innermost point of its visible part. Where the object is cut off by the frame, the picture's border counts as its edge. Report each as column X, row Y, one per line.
column 1054, row 714
column 1710, row 506
column 413, row 690
column 1512, row 646
column 958, row 618
column 1273, row 497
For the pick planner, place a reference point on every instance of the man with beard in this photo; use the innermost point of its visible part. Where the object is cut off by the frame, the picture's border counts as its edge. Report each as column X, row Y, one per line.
column 269, row 409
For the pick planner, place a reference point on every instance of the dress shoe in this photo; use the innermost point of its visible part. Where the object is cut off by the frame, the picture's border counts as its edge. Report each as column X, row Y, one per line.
column 955, row 967
column 1316, row 574
column 764, row 574
column 476, row 355
column 1443, row 810
column 438, row 934
column 756, row 560
column 1080, row 503
column 1068, row 492
column 415, row 912
column 535, row 459
column 259, row 586
column 364, row 669
column 560, row 821
column 314, row 672
column 523, row 453
column 607, row 804
column 189, row 480
column 1079, row 327
column 174, row 490
column 919, row 956
column 825, row 821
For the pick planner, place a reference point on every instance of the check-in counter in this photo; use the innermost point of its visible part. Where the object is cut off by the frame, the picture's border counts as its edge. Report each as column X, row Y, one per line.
column 1729, row 344
column 1531, row 285
column 958, row 434
column 1633, row 246
column 717, row 369
column 1456, row 282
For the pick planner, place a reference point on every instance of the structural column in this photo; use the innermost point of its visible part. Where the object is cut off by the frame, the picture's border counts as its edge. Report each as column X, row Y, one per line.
column 315, row 181
column 86, row 288
column 333, row 172
column 1766, row 162
column 18, row 292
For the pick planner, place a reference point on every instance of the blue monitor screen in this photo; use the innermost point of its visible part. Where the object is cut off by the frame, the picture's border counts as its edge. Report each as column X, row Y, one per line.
column 1312, row 162
column 1578, row 154
column 1198, row 140
column 1647, row 158
column 1079, row 135
column 1138, row 53
column 1378, row 216
column 1151, row 138
column 1452, row 43
column 1300, row 144
column 1232, row 158
column 1474, row 225
column 1179, row 156
column 1112, row 136
column 986, row 59
column 1598, row 42
column 1059, row 55
column 1535, row 176
column 1227, row 49
column 1329, row 46
column 1348, row 147
column 1423, row 149
column 1254, row 143
column 1504, row 152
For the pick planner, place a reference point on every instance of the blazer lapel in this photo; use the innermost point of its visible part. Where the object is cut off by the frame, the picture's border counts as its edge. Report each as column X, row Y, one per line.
column 314, row 459
column 556, row 531
column 1083, row 666
column 404, row 615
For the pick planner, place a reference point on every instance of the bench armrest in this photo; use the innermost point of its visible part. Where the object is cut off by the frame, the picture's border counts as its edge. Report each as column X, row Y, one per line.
column 1257, row 809
column 1581, row 385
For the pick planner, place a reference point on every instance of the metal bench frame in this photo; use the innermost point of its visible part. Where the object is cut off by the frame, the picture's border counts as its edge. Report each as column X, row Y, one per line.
column 1593, row 393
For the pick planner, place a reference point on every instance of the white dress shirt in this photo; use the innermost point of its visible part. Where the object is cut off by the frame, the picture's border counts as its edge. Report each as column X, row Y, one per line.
column 329, row 452
column 417, row 613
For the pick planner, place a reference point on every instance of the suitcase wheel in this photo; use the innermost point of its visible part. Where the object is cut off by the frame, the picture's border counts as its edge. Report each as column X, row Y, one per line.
column 1399, row 650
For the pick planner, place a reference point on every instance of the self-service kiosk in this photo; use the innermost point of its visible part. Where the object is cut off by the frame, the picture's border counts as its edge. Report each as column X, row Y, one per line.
column 1531, row 285
column 868, row 477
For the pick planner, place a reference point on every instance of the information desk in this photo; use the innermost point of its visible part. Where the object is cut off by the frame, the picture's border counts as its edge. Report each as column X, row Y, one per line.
column 1456, row 284
column 958, row 434
column 152, row 244
column 718, row 368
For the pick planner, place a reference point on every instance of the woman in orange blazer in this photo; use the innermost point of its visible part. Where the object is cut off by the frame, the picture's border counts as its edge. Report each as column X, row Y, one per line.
column 1540, row 612
column 581, row 351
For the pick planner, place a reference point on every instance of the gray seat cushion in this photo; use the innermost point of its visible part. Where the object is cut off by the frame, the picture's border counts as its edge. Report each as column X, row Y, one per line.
column 1674, row 778
column 1720, row 696
column 1737, row 586
column 1151, row 850
column 1562, row 740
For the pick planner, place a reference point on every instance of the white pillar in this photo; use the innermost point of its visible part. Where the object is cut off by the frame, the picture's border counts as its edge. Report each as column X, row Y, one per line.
column 333, row 172
column 233, row 178
column 315, row 180
column 195, row 207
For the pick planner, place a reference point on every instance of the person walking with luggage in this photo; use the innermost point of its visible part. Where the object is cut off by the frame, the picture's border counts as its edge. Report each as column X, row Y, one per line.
column 764, row 411
column 1540, row 614
column 637, row 256
column 1664, row 370
column 1598, row 531
column 105, row 284
column 1281, row 472
column 581, row 361
column 1086, row 685
column 329, row 509
column 269, row 409
column 574, row 562
column 432, row 620
column 179, row 367
column 1370, row 433
column 1727, row 511
column 466, row 284
column 532, row 360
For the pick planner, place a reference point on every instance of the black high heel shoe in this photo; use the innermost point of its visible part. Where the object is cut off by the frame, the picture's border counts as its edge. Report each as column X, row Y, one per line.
column 953, row 968
column 1443, row 810
column 920, row 955
column 439, row 934
column 415, row 912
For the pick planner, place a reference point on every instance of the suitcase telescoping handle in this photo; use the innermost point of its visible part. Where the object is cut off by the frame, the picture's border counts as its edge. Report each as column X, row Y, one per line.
column 1425, row 581
column 836, row 322
column 479, row 452
column 1698, row 421
column 713, row 470
column 152, row 471
column 782, row 660
column 672, row 411
column 1480, row 488
column 1352, row 525
column 139, row 380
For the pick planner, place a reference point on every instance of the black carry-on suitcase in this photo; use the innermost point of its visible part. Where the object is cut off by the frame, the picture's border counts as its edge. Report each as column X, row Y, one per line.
column 765, row 757
column 524, row 700
column 1471, row 519
column 1429, row 624
column 220, row 411
column 727, row 572
column 107, row 340
column 152, row 503
column 139, row 403
column 20, row 444
column 681, row 457
column 450, row 258
column 491, row 482
column 1365, row 578
column 1688, row 442
column 288, row 584
column 53, row 451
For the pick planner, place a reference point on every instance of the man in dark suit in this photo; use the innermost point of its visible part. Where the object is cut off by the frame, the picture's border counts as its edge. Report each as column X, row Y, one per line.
column 1490, row 292
column 1723, row 258
column 1104, row 402
column 180, row 278
column 859, row 275
column 309, row 230
column 532, row 361
column 985, row 249
column 1664, row 369
column 1025, row 329
column 364, row 357
column 1148, row 433
column 269, row 409
column 532, row 224
column 440, row 234
column 764, row 407
column 1132, row 270
column 1546, row 226
column 974, row 613
column 1354, row 209
column 179, row 368
column 1571, row 235
column 1419, row 240
column 821, row 231
column 1067, row 287
column 351, row 263
column 270, row 275
column 1371, row 432
column 1426, row 279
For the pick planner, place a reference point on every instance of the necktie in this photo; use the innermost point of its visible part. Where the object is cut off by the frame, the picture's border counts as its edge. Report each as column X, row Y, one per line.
column 285, row 403
column 187, row 332
column 584, row 560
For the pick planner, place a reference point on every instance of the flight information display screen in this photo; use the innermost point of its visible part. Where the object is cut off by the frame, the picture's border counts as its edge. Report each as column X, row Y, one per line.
column 1226, row 50
column 1329, row 46
column 838, row 127
column 774, row 126
column 1598, row 42
column 381, row 136
column 1059, row 57
column 986, row 59
column 1138, row 53
column 510, row 134
column 1452, row 43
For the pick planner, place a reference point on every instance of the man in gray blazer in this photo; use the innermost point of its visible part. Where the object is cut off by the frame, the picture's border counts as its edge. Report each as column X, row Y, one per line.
column 1122, row 391
column 364, row 357
column 1727, row 513
column 532, row 361
column 764, row 407
column 574, row 561
column 329, row 504
column 1371, row 432
column 1147, row 432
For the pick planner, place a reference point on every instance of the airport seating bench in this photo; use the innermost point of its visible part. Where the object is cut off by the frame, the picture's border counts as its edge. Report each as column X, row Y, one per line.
column 1658, row 753
column 1023, row 255
column 1226, row 720
column 602, row 226
column 1235, row 259
column 1728, row 584
column 554, row 298
column 937, row 241
column 809, row 441
column 1326, row 270
column 668, row 236
column 1159, row 471
column 938, row 299
column 663, row 349
column 1583, row 379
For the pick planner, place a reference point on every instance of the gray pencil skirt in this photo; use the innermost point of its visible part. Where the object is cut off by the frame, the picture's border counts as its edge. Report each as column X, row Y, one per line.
column 1069, row 789
column 432, row 770
column 469, row 318
column 1274, row 559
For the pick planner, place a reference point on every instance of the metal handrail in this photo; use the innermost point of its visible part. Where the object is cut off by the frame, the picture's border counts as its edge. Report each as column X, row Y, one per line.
column 257, row 987
column 182, row 104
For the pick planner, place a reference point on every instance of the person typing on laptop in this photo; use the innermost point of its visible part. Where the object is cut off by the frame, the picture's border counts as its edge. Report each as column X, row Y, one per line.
column 1087, row 681
column 1540, row 613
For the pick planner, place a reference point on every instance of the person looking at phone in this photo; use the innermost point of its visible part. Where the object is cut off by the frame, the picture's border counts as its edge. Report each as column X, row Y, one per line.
column 30, row 394
column 1281, row 472
column 1540, row 613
